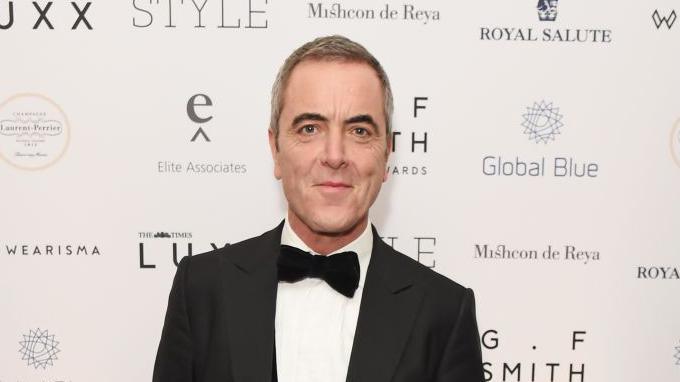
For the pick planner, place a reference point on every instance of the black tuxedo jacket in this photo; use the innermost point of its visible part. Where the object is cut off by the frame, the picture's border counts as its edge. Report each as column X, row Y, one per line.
column 414, row 325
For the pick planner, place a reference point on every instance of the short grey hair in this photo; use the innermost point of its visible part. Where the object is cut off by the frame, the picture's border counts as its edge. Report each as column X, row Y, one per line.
column 329, row 48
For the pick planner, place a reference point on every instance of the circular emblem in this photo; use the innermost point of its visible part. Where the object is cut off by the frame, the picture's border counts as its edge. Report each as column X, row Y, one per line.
column 34, row 131
column 542, row 122
column 39, row 348
column 675, row 142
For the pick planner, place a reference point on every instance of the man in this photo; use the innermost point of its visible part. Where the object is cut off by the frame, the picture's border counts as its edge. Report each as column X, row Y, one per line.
column 355, row 310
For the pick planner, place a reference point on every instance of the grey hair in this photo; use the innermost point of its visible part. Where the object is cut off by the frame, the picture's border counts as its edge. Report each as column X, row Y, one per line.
column 331, row 48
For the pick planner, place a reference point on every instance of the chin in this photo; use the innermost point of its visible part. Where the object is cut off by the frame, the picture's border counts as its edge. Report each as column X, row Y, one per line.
column 332, row 223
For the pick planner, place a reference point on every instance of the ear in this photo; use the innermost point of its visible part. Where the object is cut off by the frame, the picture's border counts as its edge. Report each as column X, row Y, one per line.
column 388, row 150
column 275, row 153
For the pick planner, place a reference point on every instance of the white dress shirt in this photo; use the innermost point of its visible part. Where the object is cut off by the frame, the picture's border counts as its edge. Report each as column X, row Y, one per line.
column 314, row 323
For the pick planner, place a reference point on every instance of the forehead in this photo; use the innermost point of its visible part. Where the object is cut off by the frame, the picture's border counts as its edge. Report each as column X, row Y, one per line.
column 333, row 87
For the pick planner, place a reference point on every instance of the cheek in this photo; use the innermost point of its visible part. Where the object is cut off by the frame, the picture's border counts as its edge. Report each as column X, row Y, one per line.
column 295, row 169
column 378, row 163
column 373, row 173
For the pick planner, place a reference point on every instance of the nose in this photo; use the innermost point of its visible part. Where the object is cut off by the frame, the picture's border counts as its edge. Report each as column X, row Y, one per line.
column 334, row 155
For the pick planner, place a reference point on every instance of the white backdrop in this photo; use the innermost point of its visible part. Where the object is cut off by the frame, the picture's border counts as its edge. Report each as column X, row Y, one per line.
column 94, row 123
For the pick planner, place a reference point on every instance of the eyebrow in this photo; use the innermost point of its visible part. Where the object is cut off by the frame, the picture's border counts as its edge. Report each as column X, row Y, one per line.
column 361, row 118
column 309, row 117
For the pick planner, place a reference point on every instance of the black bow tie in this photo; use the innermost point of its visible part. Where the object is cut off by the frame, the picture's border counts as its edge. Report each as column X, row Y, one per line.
column 340, row 271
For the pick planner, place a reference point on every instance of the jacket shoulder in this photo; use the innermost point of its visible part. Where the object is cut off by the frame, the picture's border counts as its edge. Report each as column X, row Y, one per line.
column 434, row 284
column 206, row 269
column 207, row 260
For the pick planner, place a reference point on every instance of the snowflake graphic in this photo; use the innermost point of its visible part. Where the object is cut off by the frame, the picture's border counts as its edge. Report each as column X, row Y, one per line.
column 39, row 348
column 542, row 122
column 677, row 355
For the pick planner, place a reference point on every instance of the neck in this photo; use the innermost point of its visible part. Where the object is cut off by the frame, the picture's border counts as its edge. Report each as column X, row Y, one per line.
column 325, row 242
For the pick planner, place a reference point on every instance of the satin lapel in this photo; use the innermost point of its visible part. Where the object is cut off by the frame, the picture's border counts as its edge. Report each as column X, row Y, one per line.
column 250, row 298
column 389, row 305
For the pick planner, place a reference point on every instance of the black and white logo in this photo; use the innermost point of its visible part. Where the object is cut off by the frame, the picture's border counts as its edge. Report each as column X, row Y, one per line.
column 386, row 12
column 200, row 110
column 39, row 348
column 658, row 272
column 195, row 101
column 567, row 253
column 555, row 33
column 410, row 148
column 542, row 122
column 162, row 248
column 668, row 19
column 421, row 248
column 42, row 15
column 501, row 364
column 547, row 10
column 50, row 250
column 223, row 15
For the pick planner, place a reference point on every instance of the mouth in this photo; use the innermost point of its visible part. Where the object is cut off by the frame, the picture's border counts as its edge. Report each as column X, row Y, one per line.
column 331, row 184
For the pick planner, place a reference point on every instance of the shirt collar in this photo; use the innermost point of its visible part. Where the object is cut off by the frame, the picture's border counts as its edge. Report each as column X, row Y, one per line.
column 362, row 245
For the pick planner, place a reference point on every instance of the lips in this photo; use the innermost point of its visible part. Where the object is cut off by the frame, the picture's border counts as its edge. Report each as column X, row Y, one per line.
column 334, row 184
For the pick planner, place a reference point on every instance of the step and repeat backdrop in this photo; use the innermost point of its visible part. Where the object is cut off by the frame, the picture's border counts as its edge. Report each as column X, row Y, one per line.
column 536, row 159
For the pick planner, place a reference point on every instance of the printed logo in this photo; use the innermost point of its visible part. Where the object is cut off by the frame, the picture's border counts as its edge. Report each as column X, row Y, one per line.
column 675, row 143
column 39, row 348
column 542, row 122
column 50, row 250
column 668, row 20
column 410, row 147
column 547, row 10
column 154, row 244
column 658, row 273
column 200, row 110
column 499, row 367
column 229, row 15
column 677, row 354
column 43, row 20
column 407, row 12
column 421, row 249
column 34, row 131
column 195, row 101
column 546, row 33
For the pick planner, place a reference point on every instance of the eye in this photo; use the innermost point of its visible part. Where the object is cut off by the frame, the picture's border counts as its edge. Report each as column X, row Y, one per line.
column 360, row 131
column 308, row 129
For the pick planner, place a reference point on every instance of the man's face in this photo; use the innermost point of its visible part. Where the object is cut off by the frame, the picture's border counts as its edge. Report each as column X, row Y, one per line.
column 332, row 146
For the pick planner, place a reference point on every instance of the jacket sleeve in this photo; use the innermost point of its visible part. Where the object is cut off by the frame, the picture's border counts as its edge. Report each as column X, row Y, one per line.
column 462, row 357
column 174, row 358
